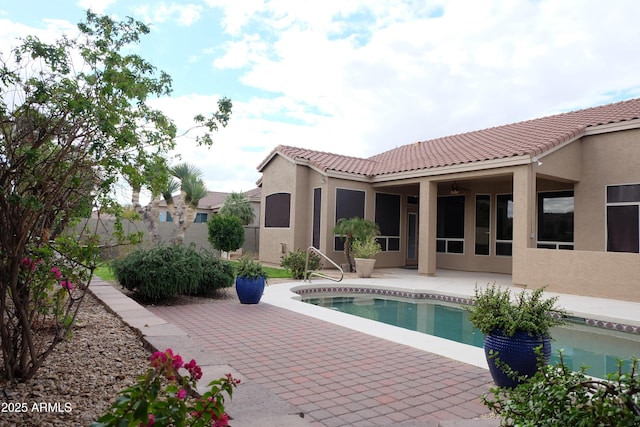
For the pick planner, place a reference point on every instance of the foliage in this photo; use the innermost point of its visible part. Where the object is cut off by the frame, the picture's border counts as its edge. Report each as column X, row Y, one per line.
column 271, row 272
column 367, row 248
column 226, row 232
column 493, row 309
column 104, row 271
column 295, row 262
column 239, row 205
column 557, row 396
column 216, row 274
column 73, row 117
column 166, row 271
column 249, row 268
column 352, row 229
column 163, row 396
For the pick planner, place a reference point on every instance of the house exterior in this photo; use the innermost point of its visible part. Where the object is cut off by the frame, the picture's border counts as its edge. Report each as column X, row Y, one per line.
column 553, row 201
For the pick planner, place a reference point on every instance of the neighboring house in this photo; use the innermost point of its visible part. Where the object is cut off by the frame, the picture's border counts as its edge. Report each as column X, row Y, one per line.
column 211, row 203
column 553, row 201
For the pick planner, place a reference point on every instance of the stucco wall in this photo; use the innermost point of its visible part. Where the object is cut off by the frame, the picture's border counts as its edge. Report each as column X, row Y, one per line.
column 607, row 159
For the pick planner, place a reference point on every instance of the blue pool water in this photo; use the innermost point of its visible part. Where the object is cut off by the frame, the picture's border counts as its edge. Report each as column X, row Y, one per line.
column 581, row 345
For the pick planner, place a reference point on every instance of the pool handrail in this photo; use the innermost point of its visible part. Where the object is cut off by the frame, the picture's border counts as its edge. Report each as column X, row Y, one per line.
column 308, row 273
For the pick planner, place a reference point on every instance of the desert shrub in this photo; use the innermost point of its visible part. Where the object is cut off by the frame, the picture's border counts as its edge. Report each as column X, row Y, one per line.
column 557, row 396
column 295, row 262
column 216, row 274
column 166, row 271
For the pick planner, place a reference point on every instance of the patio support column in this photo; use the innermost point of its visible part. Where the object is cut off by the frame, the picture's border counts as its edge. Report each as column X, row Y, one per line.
column 523, row 216
column 427, row 227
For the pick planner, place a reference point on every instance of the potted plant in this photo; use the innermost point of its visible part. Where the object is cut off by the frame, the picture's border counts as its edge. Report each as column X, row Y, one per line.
column 250, row 280
column 514, row 328
column 364, row 252
column 352, row 229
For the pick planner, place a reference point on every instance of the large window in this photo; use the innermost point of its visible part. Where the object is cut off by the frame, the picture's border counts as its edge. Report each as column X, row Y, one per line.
column 349, row 204
column 450, row 224
column 555, row 220
column 317, row 204
column 200, row 218
column 483, row 220
column 277, row 210
column 623, row 218
column 388, row 219
column 504, row 224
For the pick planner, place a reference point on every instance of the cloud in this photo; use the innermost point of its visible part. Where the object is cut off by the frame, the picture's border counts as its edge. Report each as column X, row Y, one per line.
column 96, row 6
column 182, row 14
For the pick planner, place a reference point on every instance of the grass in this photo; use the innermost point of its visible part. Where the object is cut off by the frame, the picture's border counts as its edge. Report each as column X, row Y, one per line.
column 104, row 272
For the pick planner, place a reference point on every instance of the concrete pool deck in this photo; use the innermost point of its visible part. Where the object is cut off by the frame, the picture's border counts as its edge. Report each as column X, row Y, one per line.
column 303, row 365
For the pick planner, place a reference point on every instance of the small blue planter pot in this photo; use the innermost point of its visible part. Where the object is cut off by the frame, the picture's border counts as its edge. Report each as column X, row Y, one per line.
column 249, row 290
column 518, row 352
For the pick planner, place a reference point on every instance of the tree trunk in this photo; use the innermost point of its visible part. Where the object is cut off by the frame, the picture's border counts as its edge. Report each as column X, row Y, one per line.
column 149, row 214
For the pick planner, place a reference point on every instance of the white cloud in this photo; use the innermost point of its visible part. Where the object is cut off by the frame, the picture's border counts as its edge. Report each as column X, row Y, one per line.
column 96, row 6
column 182, row 14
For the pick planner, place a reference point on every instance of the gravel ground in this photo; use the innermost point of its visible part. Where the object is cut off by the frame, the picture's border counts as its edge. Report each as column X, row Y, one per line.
column 83, row 375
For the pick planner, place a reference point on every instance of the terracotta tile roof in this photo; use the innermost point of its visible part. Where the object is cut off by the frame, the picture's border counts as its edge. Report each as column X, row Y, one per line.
column 531, row 137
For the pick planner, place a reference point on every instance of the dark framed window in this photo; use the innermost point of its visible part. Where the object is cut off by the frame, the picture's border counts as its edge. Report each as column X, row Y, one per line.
column 623, row 218
column 483, row 224
column 387, row 216
column 317, row 205
column 555, row 220
column 450, row 224
column 277, row 210
column 349, row 204
column 200, row 218
column 504, row 224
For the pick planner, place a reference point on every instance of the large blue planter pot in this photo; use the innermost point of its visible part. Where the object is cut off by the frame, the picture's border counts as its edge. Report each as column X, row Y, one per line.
column 518, row 352
column 249, row 290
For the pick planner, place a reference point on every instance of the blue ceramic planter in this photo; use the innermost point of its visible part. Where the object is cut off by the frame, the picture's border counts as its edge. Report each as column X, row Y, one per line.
column 249, row 290
column 518, row 352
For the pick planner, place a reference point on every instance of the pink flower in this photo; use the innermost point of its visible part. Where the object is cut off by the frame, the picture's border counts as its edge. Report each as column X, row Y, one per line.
column 151, row 422
column 223, row 421
column 182, row 393
column 67, row 285
column 55, row 271
column 177, row 362
column 194, row 370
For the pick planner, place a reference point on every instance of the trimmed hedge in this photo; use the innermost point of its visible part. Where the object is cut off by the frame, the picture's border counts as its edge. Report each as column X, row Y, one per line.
column 166, row 271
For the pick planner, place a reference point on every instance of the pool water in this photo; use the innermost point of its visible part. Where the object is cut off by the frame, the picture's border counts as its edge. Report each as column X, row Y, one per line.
column 581, row 345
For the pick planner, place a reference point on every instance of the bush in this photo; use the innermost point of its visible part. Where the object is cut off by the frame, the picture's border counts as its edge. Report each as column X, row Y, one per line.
column 295, row 262
column 557, row 396
column 226, row 232
column 216, row 274
column 166, row 271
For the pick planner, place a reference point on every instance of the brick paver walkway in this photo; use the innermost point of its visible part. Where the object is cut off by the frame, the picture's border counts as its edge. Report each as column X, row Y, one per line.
column 336, row 376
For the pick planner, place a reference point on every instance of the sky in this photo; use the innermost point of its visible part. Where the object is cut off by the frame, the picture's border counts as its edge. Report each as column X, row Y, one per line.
column 359, row 77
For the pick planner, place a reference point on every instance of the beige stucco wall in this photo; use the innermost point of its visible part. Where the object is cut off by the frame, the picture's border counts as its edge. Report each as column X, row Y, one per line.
column 279, row 176
column 607, row 159
column 589, row 273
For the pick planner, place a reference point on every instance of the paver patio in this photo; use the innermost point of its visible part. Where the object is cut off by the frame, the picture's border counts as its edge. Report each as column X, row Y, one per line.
column 334, row 375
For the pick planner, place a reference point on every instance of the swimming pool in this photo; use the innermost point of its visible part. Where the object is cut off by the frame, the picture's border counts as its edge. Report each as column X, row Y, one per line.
column 444, row 316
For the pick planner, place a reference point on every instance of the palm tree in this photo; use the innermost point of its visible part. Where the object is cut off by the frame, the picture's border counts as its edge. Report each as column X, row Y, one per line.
column 352, row 229
column 239, row 205
column 192, row 189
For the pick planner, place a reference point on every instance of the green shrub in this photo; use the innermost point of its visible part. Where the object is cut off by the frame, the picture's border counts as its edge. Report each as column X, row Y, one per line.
column 216, row 274
column 295, row 262
column 226, row 232
column 166, row 271
column 558, row 396
column 249, row 268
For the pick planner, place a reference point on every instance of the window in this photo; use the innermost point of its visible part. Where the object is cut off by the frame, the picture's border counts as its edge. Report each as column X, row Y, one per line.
column 450, row 224
column 317, row 204
column 483, row 221
column 277, row 210
column 349, row 204
column 555, row 220
column 623, row 218
column 504, row 224
column 388, row 219
column 169, row 217
column 200, row 217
